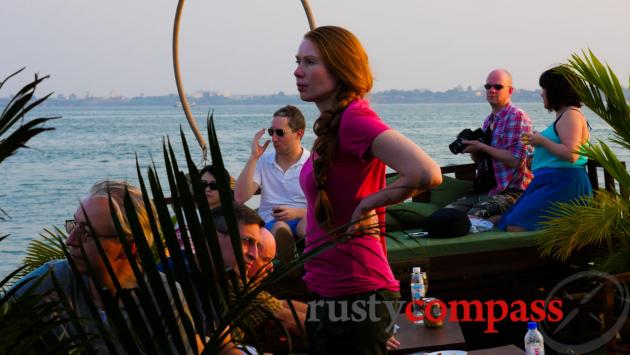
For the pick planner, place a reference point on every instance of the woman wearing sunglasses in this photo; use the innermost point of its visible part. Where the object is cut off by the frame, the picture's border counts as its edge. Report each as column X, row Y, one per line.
column 210, row 189
column 209, row 185
column 559, row 174
column 344, row 183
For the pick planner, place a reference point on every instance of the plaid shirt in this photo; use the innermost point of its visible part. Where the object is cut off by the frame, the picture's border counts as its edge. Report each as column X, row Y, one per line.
column 509, row 124
column 260, row 309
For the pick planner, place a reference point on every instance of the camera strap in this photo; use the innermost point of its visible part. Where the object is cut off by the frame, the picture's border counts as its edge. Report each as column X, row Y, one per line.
column 484, row 179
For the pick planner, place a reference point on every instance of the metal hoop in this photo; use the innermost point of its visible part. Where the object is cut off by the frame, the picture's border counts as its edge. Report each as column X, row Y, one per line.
column 180, row 87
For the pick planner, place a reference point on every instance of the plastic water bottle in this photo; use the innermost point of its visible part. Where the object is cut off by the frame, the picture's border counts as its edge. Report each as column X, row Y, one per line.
column 417, row 292
column 534, row 344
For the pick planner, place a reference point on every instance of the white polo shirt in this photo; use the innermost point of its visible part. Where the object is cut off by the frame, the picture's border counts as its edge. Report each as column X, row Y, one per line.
column 279, row 187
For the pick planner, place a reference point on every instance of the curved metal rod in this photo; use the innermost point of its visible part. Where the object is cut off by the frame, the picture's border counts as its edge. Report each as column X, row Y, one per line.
column 309, row 14
column 180, row 88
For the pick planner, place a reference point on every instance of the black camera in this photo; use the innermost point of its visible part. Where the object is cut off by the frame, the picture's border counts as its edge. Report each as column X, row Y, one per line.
column 467, row 134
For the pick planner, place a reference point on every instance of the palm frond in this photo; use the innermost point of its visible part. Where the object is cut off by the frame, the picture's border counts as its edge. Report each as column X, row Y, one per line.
column 44, row 249
column 617, row 261
column 17, row 108
column 600, row 90
column 597, row 220
column 40, row 251
column 602, row 153
column 27, row 321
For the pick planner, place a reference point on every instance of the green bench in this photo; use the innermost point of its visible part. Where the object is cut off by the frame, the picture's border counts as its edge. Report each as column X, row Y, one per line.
column 463, row 262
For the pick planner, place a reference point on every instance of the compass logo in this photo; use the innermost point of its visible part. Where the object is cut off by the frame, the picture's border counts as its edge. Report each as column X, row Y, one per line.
column 597, row 280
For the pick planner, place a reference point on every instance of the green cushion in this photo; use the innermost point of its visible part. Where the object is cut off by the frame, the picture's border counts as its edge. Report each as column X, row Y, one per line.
column 392, row 224
column 402, row 247
column 390, row 179
column 408, row 215
column 450, row 190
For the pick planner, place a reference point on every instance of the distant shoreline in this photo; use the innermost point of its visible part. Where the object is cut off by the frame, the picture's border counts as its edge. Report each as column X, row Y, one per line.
column 205, row 98
column 456, row 95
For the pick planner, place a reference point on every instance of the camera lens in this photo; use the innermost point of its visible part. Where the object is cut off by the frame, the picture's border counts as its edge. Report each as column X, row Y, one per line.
column 456, row 147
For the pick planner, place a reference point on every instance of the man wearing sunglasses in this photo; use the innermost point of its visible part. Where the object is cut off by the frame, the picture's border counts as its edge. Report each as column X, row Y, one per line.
column 276, row 174
column 502, row 169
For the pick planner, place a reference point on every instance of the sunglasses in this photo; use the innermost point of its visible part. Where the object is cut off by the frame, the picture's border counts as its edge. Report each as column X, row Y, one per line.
column 212, row 185
column 495, row 86
column 279, row 132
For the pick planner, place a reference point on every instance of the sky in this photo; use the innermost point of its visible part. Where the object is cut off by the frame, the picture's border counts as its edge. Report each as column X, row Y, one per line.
column 123, row 47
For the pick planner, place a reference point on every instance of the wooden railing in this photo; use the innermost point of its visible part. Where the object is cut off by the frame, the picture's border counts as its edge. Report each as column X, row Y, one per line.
column 467, row 172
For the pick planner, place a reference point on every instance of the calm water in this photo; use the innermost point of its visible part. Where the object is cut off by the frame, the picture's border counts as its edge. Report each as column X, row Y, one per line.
column 41, row 187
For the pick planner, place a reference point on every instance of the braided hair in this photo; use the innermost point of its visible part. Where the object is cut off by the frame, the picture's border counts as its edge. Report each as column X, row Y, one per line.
column 346, row 60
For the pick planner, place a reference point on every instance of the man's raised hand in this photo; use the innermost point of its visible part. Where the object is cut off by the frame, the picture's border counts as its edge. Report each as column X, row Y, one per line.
column 257, row 149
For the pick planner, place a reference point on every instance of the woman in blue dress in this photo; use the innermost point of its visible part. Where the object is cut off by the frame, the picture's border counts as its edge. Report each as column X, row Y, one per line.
column 559, row 172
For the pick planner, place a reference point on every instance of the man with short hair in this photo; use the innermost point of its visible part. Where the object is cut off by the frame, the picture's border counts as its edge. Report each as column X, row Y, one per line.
column 250, row 226
column 501, row 160
column 277, row 174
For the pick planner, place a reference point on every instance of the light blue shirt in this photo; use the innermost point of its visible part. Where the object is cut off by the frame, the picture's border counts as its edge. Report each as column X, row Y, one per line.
column 545, row 159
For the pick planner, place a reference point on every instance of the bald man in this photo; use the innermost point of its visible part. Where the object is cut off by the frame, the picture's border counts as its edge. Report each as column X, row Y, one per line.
column 501, row 159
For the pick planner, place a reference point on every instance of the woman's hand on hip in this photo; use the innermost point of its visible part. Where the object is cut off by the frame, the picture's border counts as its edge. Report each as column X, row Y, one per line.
column 364, row 222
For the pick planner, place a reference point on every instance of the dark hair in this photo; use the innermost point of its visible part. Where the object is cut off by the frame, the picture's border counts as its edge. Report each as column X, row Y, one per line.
column 558, row 88
column 345, row 58
column 294, row 115
column 244, row 215
column 211, row 169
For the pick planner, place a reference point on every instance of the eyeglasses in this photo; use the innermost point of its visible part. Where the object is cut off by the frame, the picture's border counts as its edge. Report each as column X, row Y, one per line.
column 497, row 87
column 249, row 242
column 279, row 132
column 209, row 184
column 71, row 226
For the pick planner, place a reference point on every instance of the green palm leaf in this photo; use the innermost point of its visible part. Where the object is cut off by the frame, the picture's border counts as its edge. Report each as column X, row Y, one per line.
column 602, row 153
column 587, row 221
column 43, row 250
column 26, row 322
column 16, row 109
column 600, row 90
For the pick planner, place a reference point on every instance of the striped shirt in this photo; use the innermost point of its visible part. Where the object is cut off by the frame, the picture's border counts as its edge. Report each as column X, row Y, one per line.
column 509, row 124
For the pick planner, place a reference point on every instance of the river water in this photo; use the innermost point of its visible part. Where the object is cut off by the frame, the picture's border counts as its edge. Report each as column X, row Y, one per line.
column 40, row 187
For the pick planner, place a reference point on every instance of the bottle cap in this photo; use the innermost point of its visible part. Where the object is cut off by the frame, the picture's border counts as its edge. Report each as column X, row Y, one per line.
column 532, row 325
column 415, row 269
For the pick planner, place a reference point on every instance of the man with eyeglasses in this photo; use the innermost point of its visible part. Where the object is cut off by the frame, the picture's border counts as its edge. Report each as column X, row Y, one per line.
column 93, row 224
column 277, row 175
column 501, row 160
column 250, row 227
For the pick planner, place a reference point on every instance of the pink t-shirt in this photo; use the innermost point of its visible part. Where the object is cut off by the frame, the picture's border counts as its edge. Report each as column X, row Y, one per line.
column 358, row 265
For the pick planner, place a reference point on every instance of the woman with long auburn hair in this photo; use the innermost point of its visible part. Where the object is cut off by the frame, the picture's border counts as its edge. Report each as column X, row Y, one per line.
column 344, row 184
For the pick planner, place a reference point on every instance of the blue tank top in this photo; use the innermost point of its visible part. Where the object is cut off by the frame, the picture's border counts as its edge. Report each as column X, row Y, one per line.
column 544, row 159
